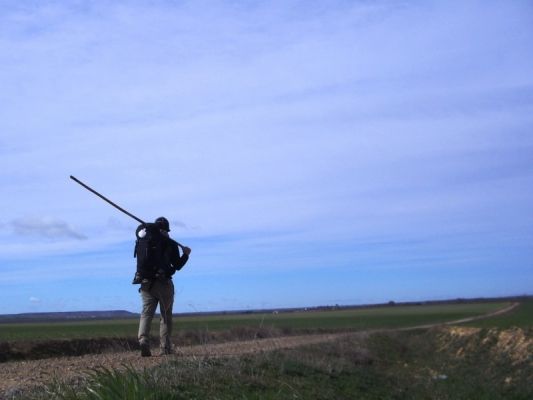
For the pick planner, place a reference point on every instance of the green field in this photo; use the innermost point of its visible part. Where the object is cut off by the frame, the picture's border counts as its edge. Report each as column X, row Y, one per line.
column 522, row 317
column 353, row 319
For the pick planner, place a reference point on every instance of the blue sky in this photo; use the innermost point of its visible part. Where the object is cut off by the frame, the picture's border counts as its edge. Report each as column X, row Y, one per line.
column 310, row 153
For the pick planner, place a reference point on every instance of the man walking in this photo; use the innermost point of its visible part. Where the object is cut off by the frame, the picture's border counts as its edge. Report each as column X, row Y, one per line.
column 160, row 290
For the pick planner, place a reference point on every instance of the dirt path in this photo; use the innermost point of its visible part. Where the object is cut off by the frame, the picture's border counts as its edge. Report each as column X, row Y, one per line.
column 463, row 320
column 19, row 375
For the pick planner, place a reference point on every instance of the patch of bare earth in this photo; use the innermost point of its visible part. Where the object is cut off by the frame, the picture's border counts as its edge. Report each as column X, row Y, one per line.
column 513, row 343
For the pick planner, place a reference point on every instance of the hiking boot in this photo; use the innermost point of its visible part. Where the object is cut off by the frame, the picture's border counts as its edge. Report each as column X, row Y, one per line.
column 145, row 350
column 165, row 352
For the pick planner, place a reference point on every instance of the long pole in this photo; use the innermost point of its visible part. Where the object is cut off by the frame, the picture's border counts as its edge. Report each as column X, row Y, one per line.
column 106, row 199
column 110, row 202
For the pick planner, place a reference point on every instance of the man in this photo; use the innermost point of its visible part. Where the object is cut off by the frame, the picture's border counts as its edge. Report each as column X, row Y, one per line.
column 160, row 290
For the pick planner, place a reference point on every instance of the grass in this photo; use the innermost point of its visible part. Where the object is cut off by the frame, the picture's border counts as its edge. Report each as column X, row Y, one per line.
column 519, row 317
column 420, row 364
column 353, row 319
column 112, row 384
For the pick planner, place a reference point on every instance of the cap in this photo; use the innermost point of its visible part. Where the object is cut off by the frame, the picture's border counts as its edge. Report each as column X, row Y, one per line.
column 162, row 223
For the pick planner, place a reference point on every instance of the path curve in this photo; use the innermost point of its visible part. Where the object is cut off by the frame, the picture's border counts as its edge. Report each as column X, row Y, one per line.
column 16, row 376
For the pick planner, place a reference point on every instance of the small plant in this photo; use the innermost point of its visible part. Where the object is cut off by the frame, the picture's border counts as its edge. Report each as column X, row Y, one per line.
column 109, row 384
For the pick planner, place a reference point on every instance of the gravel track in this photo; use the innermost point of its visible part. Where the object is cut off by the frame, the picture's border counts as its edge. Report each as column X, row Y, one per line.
column 19, row 375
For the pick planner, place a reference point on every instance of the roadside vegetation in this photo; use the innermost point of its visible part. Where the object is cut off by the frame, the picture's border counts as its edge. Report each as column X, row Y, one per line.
column 438, row 363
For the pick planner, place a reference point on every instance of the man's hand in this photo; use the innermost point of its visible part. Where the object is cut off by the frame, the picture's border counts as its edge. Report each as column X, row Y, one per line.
column 186, row 250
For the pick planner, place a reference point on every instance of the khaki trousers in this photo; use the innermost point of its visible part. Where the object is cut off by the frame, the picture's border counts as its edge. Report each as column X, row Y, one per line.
column 158, row 292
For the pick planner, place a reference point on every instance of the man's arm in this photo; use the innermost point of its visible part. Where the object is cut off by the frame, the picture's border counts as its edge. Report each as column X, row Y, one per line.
column 179, row 261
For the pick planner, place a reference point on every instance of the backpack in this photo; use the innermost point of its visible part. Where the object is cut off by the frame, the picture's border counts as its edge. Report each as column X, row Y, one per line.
column 149, row 248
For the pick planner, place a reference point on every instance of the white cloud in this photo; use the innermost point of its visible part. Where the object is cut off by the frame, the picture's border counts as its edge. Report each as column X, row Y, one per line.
column 46, row 227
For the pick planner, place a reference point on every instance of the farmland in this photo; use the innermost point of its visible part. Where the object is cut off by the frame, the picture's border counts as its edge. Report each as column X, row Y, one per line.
column 351, row 319
column 368, row 354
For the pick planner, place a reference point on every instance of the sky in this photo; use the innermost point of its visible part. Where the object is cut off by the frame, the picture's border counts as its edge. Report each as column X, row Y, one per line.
column 309, row 152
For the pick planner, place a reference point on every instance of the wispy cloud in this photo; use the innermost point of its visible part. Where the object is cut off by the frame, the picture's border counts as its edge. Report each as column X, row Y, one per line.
column 45, row 227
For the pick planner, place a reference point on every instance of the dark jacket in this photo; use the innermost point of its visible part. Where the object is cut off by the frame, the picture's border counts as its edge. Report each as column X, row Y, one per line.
column 172, row 258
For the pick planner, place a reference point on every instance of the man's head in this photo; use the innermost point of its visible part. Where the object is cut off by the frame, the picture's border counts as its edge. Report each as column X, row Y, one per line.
column 163, row 224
